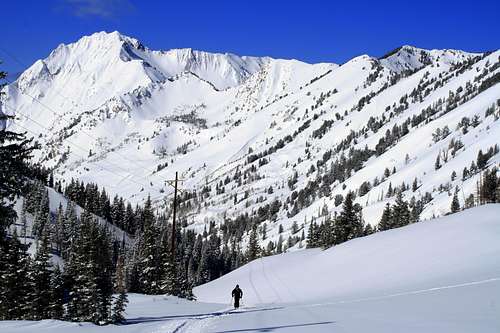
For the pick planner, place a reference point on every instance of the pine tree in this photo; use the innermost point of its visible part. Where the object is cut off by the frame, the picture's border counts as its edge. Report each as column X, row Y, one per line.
column 168, row 284
column 482, row 160
column 455, row 205
column 386, row 219
column 414, row 186
column 41, row 280
column 279, row 245
column 311, row 236
column 368, row 230
column 121, row 301
column 58, row 234
column 348, row 224
column 150, row 274
column 56, row 308
column 89, row 274
column 15, row 152
column 253, row 245
column 437, row 164
column 400, row 212
column 42, row 215
column 416, row 209
column 14, row 287
column 69, row 230
column 23, row 222
column 389, row 191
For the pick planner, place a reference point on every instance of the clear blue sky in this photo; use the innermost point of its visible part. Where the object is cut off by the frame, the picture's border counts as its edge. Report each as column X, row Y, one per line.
column 308, row 30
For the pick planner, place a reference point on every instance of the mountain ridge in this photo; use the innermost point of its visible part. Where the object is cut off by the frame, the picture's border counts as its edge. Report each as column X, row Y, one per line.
column 239, row 135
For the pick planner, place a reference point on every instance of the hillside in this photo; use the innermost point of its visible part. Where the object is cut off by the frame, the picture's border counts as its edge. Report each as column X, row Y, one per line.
column 448, row 251
column 248, row 132
column 437, row 276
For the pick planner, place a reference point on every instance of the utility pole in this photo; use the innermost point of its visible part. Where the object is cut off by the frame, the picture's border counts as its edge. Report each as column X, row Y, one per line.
column 173, row 221
column 174, row 183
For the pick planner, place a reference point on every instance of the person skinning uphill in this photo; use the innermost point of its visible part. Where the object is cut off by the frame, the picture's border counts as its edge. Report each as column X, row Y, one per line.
column 237, row 295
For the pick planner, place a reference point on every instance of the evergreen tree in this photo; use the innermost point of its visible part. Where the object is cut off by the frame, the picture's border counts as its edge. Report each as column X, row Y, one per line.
column 400, row 212
column 15, row 152
column 414, row 186
column 455, row 205
column 279, row 245
column 69, row 230
column 368, row 230
column 42, row 215
column 312, row 242
column 482, row 160
column 253, row 245
column 58, row 233
column 437, row 164
column 386, row 219
column 14, row 287
column 89, row 274
column 150, row 273
column 56, row 308
column 348, row 224
column 121, row 301
column 169, row 284
column 41, row 280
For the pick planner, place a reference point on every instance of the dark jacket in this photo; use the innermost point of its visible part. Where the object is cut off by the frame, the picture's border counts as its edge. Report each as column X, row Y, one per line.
column 237, row 293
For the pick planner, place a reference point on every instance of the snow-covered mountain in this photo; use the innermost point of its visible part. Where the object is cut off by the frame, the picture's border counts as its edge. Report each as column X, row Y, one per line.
column 245, row 132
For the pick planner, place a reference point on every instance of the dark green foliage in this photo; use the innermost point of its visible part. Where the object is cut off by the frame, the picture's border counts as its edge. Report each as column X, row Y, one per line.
column 120, row 301
column 15, row 152
column 253, row 251
column 349, row 223
column 41, row 280
column 14, row 280
column 89, row 274
column 455, row 205
column 386, row 221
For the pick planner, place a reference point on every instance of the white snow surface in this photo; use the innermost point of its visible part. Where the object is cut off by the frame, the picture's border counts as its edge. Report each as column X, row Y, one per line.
column 106, row 109
column 438, row 276
column 448, row 251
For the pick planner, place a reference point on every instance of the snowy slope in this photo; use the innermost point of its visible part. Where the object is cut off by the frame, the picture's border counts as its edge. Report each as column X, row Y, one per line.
column 55, row 201
column 107, row 109
column 439, row 276
column 451, row 250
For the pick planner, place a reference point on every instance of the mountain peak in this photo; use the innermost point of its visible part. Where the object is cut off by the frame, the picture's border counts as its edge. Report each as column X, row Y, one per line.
column 409, row 58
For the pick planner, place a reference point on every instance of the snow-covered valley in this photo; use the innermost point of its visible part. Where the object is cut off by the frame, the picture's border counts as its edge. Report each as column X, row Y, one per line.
column 415, row 285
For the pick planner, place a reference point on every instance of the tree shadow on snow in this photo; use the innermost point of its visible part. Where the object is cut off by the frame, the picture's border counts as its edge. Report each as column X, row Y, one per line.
column 275, row 328
column 195, row 316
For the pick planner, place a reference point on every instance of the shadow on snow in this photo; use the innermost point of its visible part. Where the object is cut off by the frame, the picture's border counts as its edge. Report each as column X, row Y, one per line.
column 196, row 316
column 275, row 328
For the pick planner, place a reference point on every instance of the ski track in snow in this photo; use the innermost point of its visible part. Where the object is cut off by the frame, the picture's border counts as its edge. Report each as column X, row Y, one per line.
column 406, row 293
column 206, row 322
column 250, row 276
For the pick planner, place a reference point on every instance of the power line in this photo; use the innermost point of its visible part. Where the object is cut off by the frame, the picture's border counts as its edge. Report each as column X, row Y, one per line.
column 82, row 157
column 60, row 115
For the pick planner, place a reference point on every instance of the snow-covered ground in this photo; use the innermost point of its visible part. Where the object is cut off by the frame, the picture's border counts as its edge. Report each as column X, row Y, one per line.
column 442, row 275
